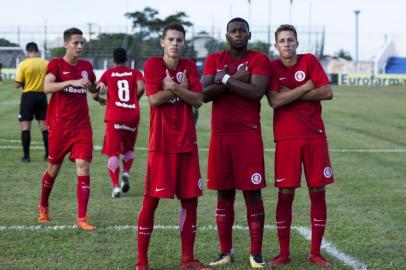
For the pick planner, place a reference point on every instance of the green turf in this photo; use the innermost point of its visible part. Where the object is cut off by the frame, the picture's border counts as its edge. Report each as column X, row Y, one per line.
column 366, row 205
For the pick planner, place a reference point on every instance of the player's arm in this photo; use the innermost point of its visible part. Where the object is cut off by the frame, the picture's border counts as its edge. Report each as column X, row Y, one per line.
column 50, row 86
column 160, row 97
column 322, row 93
column 140, row 88
column 211, row 90
column 19, row 84
column 277, row 99
column 251, row 90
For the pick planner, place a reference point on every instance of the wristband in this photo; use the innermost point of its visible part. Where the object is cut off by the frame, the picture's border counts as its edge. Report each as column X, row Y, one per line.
column 225, row 79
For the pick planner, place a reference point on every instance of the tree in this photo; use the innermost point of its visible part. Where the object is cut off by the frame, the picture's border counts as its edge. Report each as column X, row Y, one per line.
column 343, row 54
column 6, row 43
column 259, row 46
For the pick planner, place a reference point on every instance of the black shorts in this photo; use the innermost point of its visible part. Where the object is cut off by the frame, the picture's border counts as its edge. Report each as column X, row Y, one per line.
column 33, row 103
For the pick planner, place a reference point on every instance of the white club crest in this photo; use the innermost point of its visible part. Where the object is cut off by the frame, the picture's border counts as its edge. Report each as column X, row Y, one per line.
column 256, row 178
column 327, row 172
column 85, row 75
column 300, row 76
column 179, row 76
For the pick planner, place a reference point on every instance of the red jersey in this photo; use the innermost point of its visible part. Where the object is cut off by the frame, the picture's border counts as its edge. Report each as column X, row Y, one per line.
column 122, row 101
column 299, row 119
column 231, row 113
column 172, row 128
column 68, row 109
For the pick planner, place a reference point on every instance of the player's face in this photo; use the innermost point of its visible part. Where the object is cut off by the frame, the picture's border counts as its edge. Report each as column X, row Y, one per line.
column 173, row 43
column 238, row 35
column 286, row 44
column 74, row 45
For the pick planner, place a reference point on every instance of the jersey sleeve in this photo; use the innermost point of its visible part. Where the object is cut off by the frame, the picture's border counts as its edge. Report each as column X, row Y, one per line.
column 193, row 78
column 53, row 67
column 317, row 74
column 104, row 77
column 210, row 67
column 20, row 73
column 261, row 65
column 153, row 78
column 92, row 76
column 138, row 75
column 273, row 81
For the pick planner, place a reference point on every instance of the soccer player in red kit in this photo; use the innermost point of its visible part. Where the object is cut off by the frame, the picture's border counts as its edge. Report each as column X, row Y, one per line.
column 68, row 79
column 125, row 87
column 297, row 86
column 173, row 87
column 235, row 81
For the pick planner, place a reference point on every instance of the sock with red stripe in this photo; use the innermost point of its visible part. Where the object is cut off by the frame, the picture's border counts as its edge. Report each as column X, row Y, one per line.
column 83, row 193
column 318, row 215
column 128, row 160
column 114, row 170
column 283, row 221
column 225, row 221
column 187, row 227
column 46, row 188
column 255, row 219
column 145, row 227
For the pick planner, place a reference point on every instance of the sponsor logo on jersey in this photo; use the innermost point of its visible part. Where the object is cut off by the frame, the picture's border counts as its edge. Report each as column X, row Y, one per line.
column 327, row 172
column 85, row 75
column 200, row 184
column 125, row 105
column 300, row 75
column 73, row 90
column 123, row 74
column 179, row 77
column 256, row 178
column 121, row 126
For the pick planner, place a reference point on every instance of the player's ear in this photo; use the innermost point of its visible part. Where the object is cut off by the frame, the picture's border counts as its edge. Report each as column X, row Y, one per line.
column 249, row 35
column 161, row 40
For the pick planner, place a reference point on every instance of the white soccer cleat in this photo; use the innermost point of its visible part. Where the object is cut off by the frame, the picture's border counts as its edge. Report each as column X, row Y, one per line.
column 256, row 261
column 125, row 182
column 223, row 259
column 116, row 192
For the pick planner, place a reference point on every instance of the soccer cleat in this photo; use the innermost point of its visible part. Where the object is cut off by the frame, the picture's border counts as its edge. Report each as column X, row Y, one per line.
column 256, row 261
column 223, row 259
column 84, row 225
column 319, row 260
column 25, row 160
column 193, row 265
column 43, row 215
column 116, row 192
column 125, row 182
column 143, row 267
column 279, row 260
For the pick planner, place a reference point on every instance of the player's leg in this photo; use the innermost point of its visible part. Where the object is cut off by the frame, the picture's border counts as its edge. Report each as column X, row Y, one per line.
column 318, row 173
column 113, row 168
column 44, row 132
column 40, row 114
column 288, row 170
column 26, row 140
column 187, row 227
column 145, row 227
column 83, row 193
column 255, row 220
column 48, row 180
column 128, row 142
column 25, row 118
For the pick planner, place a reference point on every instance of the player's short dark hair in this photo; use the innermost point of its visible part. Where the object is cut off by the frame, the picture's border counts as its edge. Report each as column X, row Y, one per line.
column 173, row 26
column 238, row 19
column 70, row 32
column 32, row 47
column 120, row 56
column 285, row 27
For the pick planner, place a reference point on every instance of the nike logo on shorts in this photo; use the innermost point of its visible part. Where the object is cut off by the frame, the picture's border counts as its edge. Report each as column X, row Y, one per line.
column 280, row 180
column 159, row 189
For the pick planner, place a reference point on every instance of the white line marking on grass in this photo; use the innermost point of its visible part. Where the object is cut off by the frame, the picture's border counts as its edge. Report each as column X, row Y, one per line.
column 305, row 232
column 99, row 147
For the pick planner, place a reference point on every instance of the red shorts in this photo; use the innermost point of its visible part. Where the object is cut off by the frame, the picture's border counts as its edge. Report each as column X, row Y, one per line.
column 236, row 162
column 170, row 174
column 119, row 138
column 76, row 141
column 313, row 153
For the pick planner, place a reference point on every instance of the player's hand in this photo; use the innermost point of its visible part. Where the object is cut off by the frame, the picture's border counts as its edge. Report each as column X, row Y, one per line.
column 84, row 83
column 102, row 101
column 93, row 89
column 219, row 75
column 308, row 85
column 185, row 82
column 168, row 83
column 102, row 88
column 242, row 74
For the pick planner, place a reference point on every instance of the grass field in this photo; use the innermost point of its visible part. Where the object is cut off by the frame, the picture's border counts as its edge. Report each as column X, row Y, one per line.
column 366, row 205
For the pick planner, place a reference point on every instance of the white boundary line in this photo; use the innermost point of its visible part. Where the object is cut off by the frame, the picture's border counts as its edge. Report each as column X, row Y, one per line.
column 305, row 232
column 99, row 147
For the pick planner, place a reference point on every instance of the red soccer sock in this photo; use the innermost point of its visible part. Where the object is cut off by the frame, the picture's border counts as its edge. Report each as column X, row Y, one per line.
column 46, row 188
column 83, row 193
column 128, row 160
column 318, row 215
column 224, row 221
column 283, row 221
column 255, row 219
column 145, row 227
column 114, row 170
column 187, row 227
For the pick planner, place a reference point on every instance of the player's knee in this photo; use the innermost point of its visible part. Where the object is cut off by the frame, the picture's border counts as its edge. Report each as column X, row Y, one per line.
column 287, row 190
column 252, row 196
column 226, row 194
column 189, row 203
column 317, row 189
column 82, row 167
column 128, row 155
column 113, row 163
